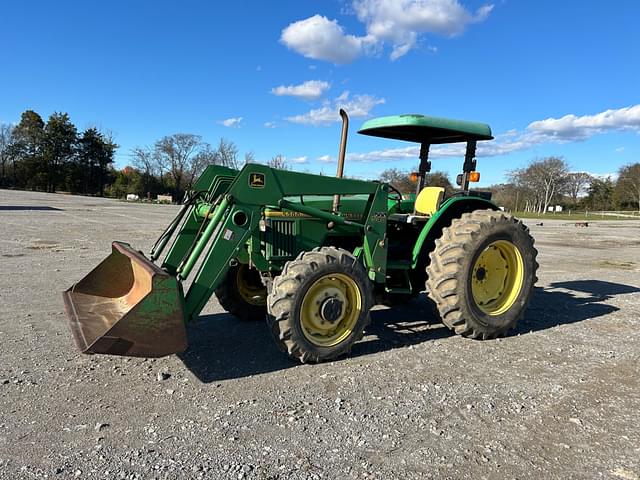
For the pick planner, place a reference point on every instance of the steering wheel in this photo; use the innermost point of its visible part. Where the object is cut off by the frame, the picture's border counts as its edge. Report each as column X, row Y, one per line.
column 396, row 191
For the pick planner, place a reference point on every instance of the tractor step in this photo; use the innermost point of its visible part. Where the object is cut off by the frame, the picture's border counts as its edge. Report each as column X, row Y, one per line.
column 399, row 265
column 398, row 290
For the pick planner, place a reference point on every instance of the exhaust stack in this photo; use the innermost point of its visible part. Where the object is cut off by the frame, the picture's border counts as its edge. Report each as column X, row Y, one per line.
column 341, row 155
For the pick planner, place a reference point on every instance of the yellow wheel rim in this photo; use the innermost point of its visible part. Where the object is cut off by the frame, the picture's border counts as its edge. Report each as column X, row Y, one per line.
column 250, row 288
column 330, row 309
column 497, row 277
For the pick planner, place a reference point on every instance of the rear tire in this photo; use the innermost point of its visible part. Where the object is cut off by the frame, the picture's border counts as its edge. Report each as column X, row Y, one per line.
column 242, row 293
column 319, row 305
column 482, row 272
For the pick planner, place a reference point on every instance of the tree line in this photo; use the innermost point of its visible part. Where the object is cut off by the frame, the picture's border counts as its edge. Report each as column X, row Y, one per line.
column 550, row 181
column 545, row 183
column 172, row 164
column 54, row 156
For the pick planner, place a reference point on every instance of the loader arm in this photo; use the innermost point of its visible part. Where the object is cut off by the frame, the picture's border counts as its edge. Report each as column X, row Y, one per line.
column 233, row 220
column 129, row 305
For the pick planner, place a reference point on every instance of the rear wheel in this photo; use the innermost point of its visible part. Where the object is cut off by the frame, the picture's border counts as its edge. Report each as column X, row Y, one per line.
column 319, row 305
column 242, row 293
column 482, row 273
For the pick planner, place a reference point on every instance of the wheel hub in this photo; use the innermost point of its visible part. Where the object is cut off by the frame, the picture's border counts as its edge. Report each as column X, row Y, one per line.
column 497, row 277
column 250, row 286
column 481, row 273
column 331, row 310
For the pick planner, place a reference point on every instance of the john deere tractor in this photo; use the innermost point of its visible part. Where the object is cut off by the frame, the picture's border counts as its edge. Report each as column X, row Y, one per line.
column 313, row 254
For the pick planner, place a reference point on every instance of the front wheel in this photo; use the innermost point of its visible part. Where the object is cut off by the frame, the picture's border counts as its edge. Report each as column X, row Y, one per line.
column 482, row 272
column 319, row 305
column 242, row 293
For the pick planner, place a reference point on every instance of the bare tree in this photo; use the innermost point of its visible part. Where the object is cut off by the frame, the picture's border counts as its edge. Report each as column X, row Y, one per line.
column 577, row 183
column 226, row 154
column 249, row 157
column 177, row 154
column 398, row 179
column 541, row 182
column 145, row 160
column 6, row 131
column 148, row 163
column 278, row 162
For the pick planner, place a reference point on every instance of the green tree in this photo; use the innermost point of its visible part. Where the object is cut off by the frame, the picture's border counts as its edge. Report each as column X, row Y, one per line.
column 95, row 151
column 600, row 196
column 27, row 147
column 59, row 141
column 125, row 181
column 627, row 189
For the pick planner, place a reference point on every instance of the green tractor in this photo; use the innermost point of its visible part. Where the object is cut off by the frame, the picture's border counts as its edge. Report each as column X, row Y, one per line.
column 313, row 254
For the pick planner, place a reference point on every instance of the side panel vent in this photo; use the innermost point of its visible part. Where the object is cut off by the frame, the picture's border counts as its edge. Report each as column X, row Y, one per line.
column 280, row 238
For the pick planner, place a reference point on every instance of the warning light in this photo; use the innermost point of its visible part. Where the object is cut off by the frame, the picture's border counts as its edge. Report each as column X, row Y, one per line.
column 474, row 176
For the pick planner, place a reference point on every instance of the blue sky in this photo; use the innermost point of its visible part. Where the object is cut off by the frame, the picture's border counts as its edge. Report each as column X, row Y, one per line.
column 551, row 78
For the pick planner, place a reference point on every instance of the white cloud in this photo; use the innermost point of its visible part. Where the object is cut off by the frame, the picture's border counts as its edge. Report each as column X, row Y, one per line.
column 400, row 22
column 326, row 159
column 570, row 128
column 619, row 150
column 231, row 122
column 319, row 38
column 299, row 160
column 385, row 155
column 269, row 124
column 309, row 90
column 396, row 22
column 359, row 106
column 604, row 176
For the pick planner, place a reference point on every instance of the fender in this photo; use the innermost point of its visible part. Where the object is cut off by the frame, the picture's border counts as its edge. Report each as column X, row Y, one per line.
column 452, row 208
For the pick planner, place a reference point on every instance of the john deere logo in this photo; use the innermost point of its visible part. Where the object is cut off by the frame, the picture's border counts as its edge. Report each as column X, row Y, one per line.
column 256, row 180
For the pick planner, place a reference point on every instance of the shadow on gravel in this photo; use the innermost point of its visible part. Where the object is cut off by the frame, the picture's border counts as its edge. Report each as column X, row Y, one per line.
column 401, row 326
column 19, row 208
column 222, row 347
column 570, row 302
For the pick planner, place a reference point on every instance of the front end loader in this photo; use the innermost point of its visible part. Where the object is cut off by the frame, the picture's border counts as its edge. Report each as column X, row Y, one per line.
column 313, row 254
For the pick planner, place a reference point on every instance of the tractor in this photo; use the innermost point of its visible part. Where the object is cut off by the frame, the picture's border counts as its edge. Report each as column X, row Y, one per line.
column 312, row 254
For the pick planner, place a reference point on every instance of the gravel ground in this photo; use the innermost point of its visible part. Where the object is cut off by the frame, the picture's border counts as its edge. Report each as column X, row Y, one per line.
column 559, row 398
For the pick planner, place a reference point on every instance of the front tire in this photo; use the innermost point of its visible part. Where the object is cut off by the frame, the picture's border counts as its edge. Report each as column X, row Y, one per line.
column 242, row 293
column 319, row 305
column 482, row 272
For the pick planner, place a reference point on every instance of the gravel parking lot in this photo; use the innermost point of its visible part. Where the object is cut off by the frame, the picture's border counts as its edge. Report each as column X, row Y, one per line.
column 558, row 398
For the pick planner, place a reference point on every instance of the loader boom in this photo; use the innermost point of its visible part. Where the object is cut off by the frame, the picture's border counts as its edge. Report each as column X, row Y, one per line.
column 223, row 227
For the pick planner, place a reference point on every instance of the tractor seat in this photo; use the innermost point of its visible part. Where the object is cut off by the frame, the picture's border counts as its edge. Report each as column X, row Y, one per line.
column 428, row 200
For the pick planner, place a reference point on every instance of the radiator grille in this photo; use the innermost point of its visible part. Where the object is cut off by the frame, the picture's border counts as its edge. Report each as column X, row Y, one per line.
column 281, row 238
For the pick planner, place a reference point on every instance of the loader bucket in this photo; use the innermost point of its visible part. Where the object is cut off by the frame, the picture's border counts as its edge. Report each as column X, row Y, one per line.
column 127, row 306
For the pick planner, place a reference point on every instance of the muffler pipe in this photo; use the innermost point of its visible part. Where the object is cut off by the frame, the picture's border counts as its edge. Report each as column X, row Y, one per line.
column 341, row 155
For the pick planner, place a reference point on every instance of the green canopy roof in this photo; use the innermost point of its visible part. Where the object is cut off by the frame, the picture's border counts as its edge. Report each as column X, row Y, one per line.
column 423, row 129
